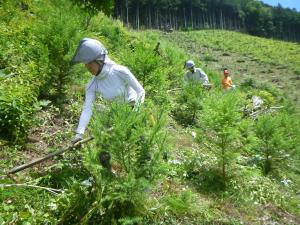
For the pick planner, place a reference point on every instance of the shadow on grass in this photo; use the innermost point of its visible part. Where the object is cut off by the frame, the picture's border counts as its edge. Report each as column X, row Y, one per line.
column 61, row 177
column 207, row 181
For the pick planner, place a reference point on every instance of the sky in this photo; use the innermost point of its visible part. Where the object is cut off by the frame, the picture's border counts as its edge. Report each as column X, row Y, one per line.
column 285, row 3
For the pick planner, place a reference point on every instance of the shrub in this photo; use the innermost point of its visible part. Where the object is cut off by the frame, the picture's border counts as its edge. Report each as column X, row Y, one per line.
column 57, row 31
column 17, row 99
column 132, row 137
column 190, row 103
column 135, row 141
column 149, row 68
column 24, row 60
column 278, row 140
column 117, row 37
column 35, row 45
column 219, row 132
column 249, row 83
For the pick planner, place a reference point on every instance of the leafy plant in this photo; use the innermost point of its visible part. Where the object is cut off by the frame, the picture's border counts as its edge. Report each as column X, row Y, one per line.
column 132, row 137
column 149, row 68
column 58, row 36
column 250, row 187
column 219, row 132
column 34, row 57
column 278, row 139
column 124, row 161
column 190, row 103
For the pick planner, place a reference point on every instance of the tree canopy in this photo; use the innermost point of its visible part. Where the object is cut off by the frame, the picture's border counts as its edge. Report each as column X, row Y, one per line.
column 253, row 17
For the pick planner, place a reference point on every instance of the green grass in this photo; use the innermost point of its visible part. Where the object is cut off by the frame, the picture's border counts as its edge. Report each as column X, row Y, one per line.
column 265, row 60
column 187, row 192
column 269, row 51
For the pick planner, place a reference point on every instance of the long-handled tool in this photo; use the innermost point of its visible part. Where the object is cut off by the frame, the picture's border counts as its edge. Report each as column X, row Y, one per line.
column 50, row 155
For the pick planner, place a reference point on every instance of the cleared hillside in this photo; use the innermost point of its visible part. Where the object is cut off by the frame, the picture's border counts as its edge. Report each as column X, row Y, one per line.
column 187, row 156
column 261, row 59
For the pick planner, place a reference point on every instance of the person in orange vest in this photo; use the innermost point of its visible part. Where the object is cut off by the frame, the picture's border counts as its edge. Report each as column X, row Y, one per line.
column 227, row 82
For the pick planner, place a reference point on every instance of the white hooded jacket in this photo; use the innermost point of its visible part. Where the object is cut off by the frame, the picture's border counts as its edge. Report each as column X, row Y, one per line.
column 114, row 83
column 199, row 76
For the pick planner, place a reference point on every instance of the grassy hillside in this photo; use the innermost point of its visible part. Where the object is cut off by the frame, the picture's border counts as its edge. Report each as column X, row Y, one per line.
column 188, row 156
column 262, row 59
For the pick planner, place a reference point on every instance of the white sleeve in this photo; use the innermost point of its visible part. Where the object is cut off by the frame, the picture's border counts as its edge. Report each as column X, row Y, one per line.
column 203, row 77
column 185, row 78
column 133, row 82
column 87, row 111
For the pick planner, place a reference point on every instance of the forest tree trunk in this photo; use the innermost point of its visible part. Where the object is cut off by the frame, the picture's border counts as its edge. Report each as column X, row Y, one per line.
column 127, row 21
column 138, row 16
column 184, row 17
column 192, row 22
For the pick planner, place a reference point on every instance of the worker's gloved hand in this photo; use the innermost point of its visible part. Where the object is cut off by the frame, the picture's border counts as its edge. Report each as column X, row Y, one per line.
column 76, row 138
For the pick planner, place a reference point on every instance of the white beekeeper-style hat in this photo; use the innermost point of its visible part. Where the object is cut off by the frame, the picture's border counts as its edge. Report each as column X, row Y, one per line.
column 89, row 50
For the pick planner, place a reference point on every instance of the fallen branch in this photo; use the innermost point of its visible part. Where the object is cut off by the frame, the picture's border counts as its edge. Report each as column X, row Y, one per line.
column 50, row 155
column 175, row 89
column 254, row 114
column 277, row 107
column 52, row 190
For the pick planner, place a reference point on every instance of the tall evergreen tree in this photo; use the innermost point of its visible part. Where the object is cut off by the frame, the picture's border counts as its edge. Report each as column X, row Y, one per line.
column 253, row 17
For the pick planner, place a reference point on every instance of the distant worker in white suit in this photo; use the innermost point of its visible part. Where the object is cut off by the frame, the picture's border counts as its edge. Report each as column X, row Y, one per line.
column 195, row 74
column 111, row 81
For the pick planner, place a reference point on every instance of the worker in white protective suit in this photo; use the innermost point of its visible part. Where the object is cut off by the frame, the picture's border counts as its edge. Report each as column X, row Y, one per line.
column 113, row 82
column 195, row 74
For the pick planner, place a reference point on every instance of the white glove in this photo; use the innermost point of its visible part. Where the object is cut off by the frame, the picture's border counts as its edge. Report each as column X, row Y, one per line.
column 76, row 138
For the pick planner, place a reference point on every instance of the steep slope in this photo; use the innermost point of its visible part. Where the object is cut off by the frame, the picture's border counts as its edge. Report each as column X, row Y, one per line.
column 261, row 59
column 181, row 182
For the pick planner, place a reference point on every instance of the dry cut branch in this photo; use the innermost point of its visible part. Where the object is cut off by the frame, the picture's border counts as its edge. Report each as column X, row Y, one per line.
column 51, row 155
column 52, row 190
